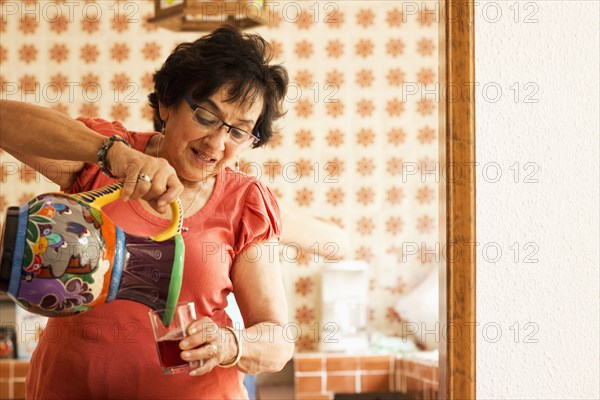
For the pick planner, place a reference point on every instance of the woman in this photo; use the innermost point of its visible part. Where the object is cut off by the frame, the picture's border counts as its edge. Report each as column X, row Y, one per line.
column 215, row 98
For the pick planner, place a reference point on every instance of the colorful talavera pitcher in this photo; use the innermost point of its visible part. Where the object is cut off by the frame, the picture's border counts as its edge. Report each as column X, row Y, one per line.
column 61, row 255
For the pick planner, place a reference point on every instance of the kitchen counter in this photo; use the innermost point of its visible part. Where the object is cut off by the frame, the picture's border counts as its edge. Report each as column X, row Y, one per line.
column 12, row 378
column 322, row 375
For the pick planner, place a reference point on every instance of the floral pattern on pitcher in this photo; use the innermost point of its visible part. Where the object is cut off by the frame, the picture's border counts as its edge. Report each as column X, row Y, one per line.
column 63, row 261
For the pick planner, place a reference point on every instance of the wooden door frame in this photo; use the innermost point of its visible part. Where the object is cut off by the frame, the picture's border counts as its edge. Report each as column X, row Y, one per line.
column 457, row 209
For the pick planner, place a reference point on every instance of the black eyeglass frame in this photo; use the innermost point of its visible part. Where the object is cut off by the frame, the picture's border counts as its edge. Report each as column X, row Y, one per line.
column 255, row 135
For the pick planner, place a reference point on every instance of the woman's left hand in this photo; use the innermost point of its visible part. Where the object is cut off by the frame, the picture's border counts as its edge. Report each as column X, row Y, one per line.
column 208, row 343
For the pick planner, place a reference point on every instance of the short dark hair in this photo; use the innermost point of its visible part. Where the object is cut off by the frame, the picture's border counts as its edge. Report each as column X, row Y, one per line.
column 224, row 57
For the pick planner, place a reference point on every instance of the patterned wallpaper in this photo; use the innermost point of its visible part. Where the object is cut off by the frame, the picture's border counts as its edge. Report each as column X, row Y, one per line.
column 358, row 145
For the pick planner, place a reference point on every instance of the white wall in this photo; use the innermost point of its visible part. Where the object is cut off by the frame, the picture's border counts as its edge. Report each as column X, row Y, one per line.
column 558, row 215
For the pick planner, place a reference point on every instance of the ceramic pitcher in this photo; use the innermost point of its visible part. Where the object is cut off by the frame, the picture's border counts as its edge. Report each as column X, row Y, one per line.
column 62, row 255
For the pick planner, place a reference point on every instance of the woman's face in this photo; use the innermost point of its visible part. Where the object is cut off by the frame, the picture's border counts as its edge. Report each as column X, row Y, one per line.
column 196, row 152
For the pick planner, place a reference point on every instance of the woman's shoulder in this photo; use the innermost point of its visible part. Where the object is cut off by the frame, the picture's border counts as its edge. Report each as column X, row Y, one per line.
column 254, row 204
column 247, row 190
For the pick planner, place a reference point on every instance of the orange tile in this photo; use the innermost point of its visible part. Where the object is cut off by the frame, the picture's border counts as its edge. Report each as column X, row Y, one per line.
column 429, row 392
column 410, row 368
column 398, row 362
column 371, row 363
column 19, row 390
column 414, row 386
column 21, row 368
column 432, row 373
column 434, row 394
column 398, row 382
column 341, row 383
column 311, row 396
column 341, row 363
column 308, row 384
column 418, row 370
column 375, row 383
column 5, row 369
column 3, row 389
column 400, row 366
column 304, row 356
column 307, row 364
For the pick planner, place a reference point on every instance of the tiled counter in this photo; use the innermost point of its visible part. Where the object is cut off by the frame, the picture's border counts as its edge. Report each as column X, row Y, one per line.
column 317, row 376
column 417, row 375
column 12, row 379
column 320, row 375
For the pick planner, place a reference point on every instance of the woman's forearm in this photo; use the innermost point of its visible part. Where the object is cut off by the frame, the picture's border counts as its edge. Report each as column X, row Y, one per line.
column 45, row 139
column 42, row 132
column 265, row 348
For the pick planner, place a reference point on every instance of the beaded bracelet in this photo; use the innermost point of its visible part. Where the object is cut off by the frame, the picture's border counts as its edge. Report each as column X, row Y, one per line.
column 238, row 355
column 103, row 151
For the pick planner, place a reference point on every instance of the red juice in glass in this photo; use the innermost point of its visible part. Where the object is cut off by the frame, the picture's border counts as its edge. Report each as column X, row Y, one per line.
column 168, row 338
column 170, row 353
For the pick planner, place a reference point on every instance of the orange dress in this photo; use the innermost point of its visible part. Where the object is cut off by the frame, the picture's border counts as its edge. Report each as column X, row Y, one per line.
column 109, row 352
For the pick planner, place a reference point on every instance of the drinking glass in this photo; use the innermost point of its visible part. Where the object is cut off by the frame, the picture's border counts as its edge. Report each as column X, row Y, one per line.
column 168, row 338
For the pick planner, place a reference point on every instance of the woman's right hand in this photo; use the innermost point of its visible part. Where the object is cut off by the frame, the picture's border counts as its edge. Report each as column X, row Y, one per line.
column 164, row 185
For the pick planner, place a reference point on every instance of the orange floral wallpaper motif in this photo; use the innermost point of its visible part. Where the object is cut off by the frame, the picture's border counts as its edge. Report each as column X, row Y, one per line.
column 357, row 147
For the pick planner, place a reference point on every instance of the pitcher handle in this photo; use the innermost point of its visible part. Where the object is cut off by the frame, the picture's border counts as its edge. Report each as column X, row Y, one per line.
column 98, row 198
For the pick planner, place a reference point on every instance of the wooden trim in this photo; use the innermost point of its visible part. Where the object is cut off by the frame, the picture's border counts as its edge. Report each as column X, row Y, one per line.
column 457, row 180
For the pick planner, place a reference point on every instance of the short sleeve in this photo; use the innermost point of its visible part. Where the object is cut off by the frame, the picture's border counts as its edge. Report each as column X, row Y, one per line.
column 260, row 220
column 90, row 176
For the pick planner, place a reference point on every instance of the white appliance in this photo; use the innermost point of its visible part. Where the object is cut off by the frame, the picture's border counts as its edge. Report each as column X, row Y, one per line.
column 344, row 295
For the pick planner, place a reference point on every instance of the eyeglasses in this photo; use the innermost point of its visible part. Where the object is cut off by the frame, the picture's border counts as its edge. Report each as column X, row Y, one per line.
column 208, row 120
